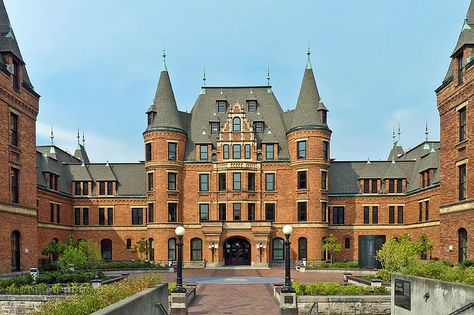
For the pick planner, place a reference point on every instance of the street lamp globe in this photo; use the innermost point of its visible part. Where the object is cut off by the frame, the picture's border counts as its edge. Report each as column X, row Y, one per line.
column 180, row 231
column 287, row 229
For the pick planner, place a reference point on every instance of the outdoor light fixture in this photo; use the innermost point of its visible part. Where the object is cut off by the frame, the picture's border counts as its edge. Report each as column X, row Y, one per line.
column 213, row 246
column 180, row 231
column 287, row 288
column 261, row 246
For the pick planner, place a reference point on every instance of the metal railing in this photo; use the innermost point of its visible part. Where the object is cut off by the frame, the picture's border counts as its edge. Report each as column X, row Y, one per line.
column 462, row 309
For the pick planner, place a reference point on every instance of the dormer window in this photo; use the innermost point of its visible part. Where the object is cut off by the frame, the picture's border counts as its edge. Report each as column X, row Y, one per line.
column 324, row 117
column 215, row 128
column 258, row 126
column 251, row 106
column 16, row 75
column 460, row 69
column 236, row 124
column 53, row 182
column 151, row 117
column 221, row 106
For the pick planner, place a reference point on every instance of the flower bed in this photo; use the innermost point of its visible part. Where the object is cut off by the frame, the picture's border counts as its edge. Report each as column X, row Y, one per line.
column 335, row 265
column 333, row 288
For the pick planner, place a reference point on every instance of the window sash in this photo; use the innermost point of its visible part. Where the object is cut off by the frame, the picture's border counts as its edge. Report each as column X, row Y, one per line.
column 236, row 151
column 247, row 151
column 324, row 209
column 251, row 181
column 338, row 215
column 172, row 212
column 400, row 214
column 215, row 128
column 203, row 152
column 366, row 215
column 375, row 215
column 85, row 216
column 172, row 181
column 270, row 212
column 148, row 154
column 172, row 146
column 270, row 182
column 251, row 106
column 391, row 214
column 269, row 152
column 151, row 212
column 325, row 151
column 221, row 106
column 374, row 186
column 237, row 211
column 302, row 211
column 236, row 124
column 137, row 216
column 110, row 216
column 277, row 249
column 251, row 211
column 302, row 179
column 222, row 182
column 102, row 216
column 258, row 127
column 324, row 180
column 462, row 182
column 222, row 212
column 236, row 181
column 203, row 182
column 226, row 151
column 77, row 216
column 301, row 151
column 462, row 124
column 203, row 212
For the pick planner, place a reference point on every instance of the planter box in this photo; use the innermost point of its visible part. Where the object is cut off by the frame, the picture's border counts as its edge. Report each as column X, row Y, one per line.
column 329, row 305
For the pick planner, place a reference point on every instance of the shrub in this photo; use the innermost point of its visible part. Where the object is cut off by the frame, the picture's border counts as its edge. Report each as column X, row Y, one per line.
column 398, row 252
column 332, row 245
column 17, row 281
column 467, row 263
column 72, row 256
column 384, row 274
column 440, row 271
column 333, row 288
column 339, row 265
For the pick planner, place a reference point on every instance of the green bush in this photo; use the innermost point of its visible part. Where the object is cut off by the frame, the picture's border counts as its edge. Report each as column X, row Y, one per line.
column 384, row 274
column 338, row 265
column 398, row 252
column 125, row 265
column 17, row 281
column 467, row 263
column 66, row 277
column 441, row 271
column 333, row 288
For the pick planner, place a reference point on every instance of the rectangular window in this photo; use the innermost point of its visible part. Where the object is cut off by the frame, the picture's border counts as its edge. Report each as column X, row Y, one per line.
column 400, row 214
column 258, row 127
column 85, row 188
column 148, row 155
column 129, row 243
column 203, row 212
column 222, row 212
column 270, row 212
column 151, row 212
column 338, row 215
column 247, row 151
column 110, row 188
column 236, row 181
column 375, row 215
column 251, row 181
column 325, row 150
column 77, row 188
column 460, row 69
column 420, row 211
column 270, row 153
column 462, row 124
column 391, row 186
column 16, row 76
column 324, row 180
column 366, row 215
column 15, row 174
column 110, row 216
column 85, row 216
column 236, row 154
column 374, row 186
column 237, row 212
column 270, row 181
column 172, row 212
column 324, row 117
column 391, row 214
column 427, row 210
column 172, row 181
column 77, row 216
column 51, row 212
column 221, row 106
column 324, row 211
column 172, row 148
column 366, row 186
column 14, row 129
column 150, row 182
column 137, row 216
column 203, row 182
column 101, row 216
column 301, row 150
column 215, row 128
column 251, row 211
column 102, row 188
column 462, row 182
column 399, row 186
column 58, row 213
column 222, row 182
column 203, row 152
column 302, row 211
column 225, row 152
column 252, row 106
column 302, row 179
column 347, row 243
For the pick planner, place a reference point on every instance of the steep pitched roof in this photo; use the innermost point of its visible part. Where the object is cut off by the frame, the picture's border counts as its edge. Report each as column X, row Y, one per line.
column 81, row 153
column 396, row 152
column 467, row 34
column 394, row 171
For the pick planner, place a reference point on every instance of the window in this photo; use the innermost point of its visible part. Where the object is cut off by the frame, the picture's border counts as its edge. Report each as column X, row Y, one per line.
column 302, row 248
column 420, row 211
column 237, row 211
column 460, row 69
column 222, row 212
column 251, row 181
column 270, row 181
column 172, row 249
column 85, row 188
column 106, row 249
column 462, row 124
column 391, row 186
column 324, row 180
column 399, row 186
column 462, row 245
column 324, row 211
column 338, row 215
column 15, row 174
column 203, row 152
column 151, row 248
column 102, row 186
column 236, row 124
column 270, row 152
column 277, row 249
column 172, row 212
column 236, row 154
column 172, row 146
column 215, row 128
column 324, row 117
column 301, row 150
column 247, row 151
column 58, row 213
column 226, row 151
column 77, row 216
column 252, row 106
column 258, row 127
column 325, row 150
column 391, row 214
column 53, row 182
column 77, row 188
column 110, row 188
column 203, row 182
column 137, row 216
column 302, row 211
column 427, row 210
column 196, row 249
column 148, row 155
column 366, row 186
column 110, row 216
column 236, row 181
column 302, row 179
column 270, row 212
column 374, row 186
column 151, row 117
column 366, row 215
column 251, row 211
column 172, row 181
column 375, row 215
column 150, row 212
column 129, row 243
column 221, row 106
column 85, row 216
column 347, row 243
column 16, row 251
column 102, row 216
column 400, row 214
column 16, row 75
column 51, row 212
column 150, row 182
column 462, row 182
column 222, row 182
column 203, row 212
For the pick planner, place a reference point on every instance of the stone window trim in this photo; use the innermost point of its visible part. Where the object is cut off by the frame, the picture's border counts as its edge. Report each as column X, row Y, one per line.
column 326, row 151
column 274, row 181
column 150, row 185
column 462, row 125
column 301, row 153
column 107, row 220
column 221, row 106
column 203, row 218
column 324, row 187
column 298, row 171
column 176, row 181
column 208, row 182
column 14, row 129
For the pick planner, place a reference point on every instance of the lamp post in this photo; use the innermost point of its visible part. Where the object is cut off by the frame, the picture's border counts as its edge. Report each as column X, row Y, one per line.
column 260, row 247
column 179, row 272
column 287, row 288
column 213, row 246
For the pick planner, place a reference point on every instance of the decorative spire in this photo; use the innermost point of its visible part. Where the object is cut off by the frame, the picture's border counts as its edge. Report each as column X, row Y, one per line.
column 426, row 131
column 78, row 137
column 393, row 135
column 52, row 136
column 308, row 63
column 83, row 139
column 204, row 77
column 164, row 68
column 399, row 132
column 268, row 76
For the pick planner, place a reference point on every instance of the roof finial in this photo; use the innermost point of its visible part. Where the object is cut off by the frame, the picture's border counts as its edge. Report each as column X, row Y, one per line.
column 308, row 63
column 268, row 76
column 78, row 137
column 426, row 131
column 393, row 135
column 399, row 132
column 204, row 77
column 52, row 136
column 164, row 68
column 83, row 139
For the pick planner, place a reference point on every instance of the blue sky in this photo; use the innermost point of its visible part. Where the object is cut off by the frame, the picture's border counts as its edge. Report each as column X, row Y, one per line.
column 96, row 63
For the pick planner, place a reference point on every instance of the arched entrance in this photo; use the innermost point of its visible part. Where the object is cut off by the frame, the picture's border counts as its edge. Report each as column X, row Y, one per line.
column 237, row 251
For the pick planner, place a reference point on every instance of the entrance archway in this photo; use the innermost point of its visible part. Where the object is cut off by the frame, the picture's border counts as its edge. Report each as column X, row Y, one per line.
column 237, row 251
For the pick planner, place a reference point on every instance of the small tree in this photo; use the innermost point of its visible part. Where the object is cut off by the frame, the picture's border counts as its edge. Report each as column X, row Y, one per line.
column 332, row 245
column 398, row 252
column 425, row 246
column 72, row 256
column 53, row 250
column 141, row 247
column 90, row 251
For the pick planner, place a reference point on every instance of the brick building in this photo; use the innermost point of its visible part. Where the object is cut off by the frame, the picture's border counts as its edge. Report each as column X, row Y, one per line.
column 233, row 171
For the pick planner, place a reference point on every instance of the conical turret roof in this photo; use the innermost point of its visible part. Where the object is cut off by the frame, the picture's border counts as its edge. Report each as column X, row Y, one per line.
column 467, row 34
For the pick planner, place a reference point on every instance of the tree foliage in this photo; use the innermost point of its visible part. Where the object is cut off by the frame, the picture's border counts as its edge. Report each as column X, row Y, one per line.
column 332, row 245
column 78, row 253
column 141, row 247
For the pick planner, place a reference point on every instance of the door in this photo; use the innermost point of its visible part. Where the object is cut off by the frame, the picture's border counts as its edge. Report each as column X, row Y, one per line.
column 15, row 245
column 237, row 252
column 106, row 249
column 368, row 247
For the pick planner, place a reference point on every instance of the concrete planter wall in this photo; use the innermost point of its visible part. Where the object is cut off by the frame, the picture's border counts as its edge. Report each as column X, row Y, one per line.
column 333, row 305
column 24, row 304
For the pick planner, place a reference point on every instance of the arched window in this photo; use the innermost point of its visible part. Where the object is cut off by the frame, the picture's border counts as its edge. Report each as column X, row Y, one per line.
column 172, row 249
column 196, row 249
column 277, row 249
column 302, row 248
column 16, row 246
column 129, row 243
column 151, row 248
column 347, row 243
column 236, row 124
column 106, row 249
column 462, row 245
